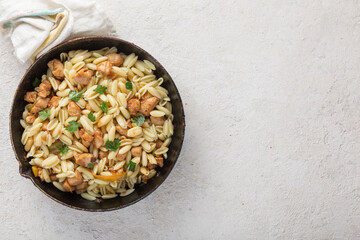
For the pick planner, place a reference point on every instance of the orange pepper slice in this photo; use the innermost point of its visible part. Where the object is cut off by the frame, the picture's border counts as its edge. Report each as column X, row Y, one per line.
column 35, row 170
column 110, row 178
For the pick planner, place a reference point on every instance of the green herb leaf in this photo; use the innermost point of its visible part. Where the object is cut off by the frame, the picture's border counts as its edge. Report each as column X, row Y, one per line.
column 100, row 89
column 73, row 127
column 104, row 107
column 36, row 82
column 138, row 120
column 91, row 117
column 44, row 114
column 113, row 146
column 64, row 149
column 91, row 165
column 131, row 166
column 75, row 96
column 128, row 85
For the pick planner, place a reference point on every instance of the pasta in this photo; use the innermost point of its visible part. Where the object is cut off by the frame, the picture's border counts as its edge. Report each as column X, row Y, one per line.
column 97, row 123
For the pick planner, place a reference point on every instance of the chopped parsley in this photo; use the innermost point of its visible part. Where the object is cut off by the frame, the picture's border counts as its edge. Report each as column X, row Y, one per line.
column 104, row 107
column 131, row 166
column 44, row 114
column 91, row 117
column 36, row 82
column 129, row 85
column 113, row 146
column 75, row 95
column 73, row 127
column 64, row 149
column 138, row 120
column 100, row 89
column 91, row 165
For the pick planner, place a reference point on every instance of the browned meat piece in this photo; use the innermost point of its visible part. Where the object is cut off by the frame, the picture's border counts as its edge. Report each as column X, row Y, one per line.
column 76, row 155
column 158, row 143
column 147, row 95
column 122, row 131
column 157, row 121
column 53, row 177
column 81, row 186
column 115, row 59
column 67, row 186
column 160, row 161
column 44, row 126
column 30, row 96
column 121, row 157
column 40, row 104
column 57, row 68
column 87, row 106
column 136, row 151
column 44, row 88
column 40, row 174
column 83, row 76
column 30, row 118
column 99, row 140
column 134, row 106
column 129, row 123
column 105, row 68
column 86, row 138
column 103, row 154
column 73, row 109
column 144, row 179
column 84, row 159
column 148, row 105
column 76, row 180
column 151, row 166
column 54, row 102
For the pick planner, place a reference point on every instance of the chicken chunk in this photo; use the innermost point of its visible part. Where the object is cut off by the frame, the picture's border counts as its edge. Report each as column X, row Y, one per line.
column 54, row 102
column 158, row 144
column 44, row 126
column 44, row 88
column 144, row 179
column 73, row 109
column 86, row 138
column 129, row 123
column 115, row 59
column 151, row 166
column 136, row 151
column 87, row 106
column 157, row 121
column 30, row 96
column 148, row 105
column 105, row 68
column 53, row 177
column 103, row 154
column 40, row 174
column 121, row 157
column 30, row 118
column 147, row 95
column 67, row 186
column 98, row 140
column 83, row 76
column 160, row 161
column 81, row 186
column 134, row 106
column 76, row 180
column 84, row 159
column 122, row 131
column 57, row 68
column 40, row 104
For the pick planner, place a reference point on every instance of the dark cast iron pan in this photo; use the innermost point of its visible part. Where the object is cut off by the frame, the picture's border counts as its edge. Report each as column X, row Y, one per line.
column 38, row 68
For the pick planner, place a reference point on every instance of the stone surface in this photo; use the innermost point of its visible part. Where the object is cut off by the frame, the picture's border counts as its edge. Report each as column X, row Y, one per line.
column 271, row 93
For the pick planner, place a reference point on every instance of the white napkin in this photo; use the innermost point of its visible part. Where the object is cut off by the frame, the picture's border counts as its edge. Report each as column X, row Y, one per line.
column 36, row 26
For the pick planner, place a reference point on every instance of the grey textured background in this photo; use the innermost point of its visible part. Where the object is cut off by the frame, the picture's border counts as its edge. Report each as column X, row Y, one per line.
column 271, row 92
